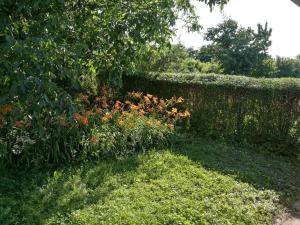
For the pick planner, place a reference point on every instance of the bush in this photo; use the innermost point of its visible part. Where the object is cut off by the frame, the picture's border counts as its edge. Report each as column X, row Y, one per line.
column 260, row 111
column 45, row 125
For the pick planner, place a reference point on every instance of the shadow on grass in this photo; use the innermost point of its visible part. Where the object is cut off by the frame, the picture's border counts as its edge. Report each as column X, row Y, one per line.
column 262, row 170
column 37, row 195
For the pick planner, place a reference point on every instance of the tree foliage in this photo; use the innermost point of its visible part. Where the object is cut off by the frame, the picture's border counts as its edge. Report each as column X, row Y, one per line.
column 288, row 67
column 241, row 50
column 63, row 40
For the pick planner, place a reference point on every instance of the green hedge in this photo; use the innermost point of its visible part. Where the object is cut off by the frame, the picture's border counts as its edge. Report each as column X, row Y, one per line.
column 254, row 110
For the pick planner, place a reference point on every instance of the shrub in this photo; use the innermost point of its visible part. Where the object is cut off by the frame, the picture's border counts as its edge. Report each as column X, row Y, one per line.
column 45, row 125
column 260, row 111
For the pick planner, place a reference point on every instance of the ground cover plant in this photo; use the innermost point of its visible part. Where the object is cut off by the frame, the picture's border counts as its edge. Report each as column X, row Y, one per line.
column 202, row 182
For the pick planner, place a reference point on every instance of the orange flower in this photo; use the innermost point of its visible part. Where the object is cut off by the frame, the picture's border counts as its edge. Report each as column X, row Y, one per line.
column 155, row 100
column 158, row 122
column 187, row 113
column 98, row 110
column 135, row 94
column 134, row 107
column 118, row 105
column 180, row 100
column 149, row 122
column 162, row 103
column 84, row 121
column 147, row 100
column 94, row 139
column 108, row 116
column 142, row 112
column 174, row 111
column 160, row 108
column 89, row 113
column 104, row 119
column 171, row 126
column 149, row 96
column 19, row 123
column 77, row 117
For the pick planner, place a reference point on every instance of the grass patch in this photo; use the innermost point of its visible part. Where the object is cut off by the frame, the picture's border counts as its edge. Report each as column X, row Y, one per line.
column 204, row 182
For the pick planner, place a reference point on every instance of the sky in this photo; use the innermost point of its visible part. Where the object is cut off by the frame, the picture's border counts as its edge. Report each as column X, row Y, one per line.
column 283, row 16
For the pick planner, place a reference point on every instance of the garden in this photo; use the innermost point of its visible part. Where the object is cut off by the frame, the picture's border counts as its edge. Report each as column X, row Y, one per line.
column 103, row 121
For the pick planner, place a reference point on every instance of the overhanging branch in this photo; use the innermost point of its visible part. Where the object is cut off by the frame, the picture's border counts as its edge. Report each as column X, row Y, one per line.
column 297, row 2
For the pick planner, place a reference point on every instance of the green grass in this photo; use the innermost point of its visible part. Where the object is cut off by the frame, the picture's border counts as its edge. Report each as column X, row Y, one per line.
column 204, row 182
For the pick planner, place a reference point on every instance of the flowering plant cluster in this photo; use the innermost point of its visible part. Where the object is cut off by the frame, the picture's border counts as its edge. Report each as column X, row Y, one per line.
column 103, row 125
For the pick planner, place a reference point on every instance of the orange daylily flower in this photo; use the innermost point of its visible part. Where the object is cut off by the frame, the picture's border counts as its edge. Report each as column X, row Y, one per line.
column 77, row 117
column 171, row 126
column 134, row 107
column 94, row 139
column 149, row 122
column 180, row 100
column 84, row 121
column 147, row 100
column 98, row 110
column 89, row 113
column 174, row 110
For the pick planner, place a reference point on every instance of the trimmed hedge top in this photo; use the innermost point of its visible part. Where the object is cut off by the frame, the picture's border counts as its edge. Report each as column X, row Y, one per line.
column 230, row 81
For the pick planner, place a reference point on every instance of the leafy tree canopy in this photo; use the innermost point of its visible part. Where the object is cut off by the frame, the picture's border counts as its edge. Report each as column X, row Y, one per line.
column 240, row 50
column 64, row 40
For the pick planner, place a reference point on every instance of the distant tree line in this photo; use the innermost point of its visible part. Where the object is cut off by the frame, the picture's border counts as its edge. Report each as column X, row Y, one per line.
column 232, row 50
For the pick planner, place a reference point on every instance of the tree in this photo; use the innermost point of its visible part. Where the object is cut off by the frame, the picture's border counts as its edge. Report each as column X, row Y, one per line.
column 288, row 67
column 241, row 50
column 62, row 41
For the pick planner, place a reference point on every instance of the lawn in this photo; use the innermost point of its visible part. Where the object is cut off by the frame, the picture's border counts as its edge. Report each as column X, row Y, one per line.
column 203, row 182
